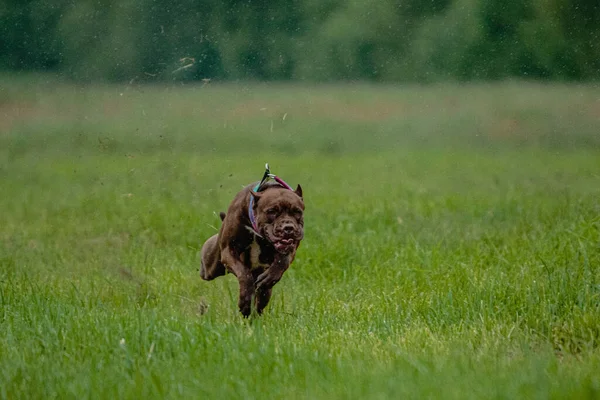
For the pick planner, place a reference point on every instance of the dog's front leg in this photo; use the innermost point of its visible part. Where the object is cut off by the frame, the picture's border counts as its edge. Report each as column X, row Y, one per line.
column 244, row 277
column 263, row 295
column 268, row 279
column 274, row 273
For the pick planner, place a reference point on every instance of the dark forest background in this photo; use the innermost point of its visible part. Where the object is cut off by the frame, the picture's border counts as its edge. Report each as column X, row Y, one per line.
column 310, row 40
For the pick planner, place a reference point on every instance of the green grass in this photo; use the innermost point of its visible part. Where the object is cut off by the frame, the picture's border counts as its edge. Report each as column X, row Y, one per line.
column 452, row 242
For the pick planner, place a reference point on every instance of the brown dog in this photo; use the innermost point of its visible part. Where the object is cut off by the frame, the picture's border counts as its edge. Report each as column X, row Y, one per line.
column 257, row 241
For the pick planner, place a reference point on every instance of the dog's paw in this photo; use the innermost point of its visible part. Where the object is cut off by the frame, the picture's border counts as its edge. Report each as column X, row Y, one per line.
column 267, row 280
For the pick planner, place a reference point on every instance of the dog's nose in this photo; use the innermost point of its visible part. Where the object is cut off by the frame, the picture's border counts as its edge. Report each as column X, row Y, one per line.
column 288, row 229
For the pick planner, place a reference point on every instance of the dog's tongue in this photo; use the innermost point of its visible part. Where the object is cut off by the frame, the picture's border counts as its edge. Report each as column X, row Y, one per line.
column 283, row 243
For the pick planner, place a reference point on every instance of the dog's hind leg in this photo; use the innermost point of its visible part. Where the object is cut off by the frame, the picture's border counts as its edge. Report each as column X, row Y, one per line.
column 210, row 263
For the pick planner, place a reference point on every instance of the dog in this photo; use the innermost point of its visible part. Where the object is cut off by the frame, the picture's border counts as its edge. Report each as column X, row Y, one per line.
column 257, row 241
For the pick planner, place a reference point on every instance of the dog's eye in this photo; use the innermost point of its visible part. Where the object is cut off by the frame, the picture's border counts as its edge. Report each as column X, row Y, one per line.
column 297, row 213
column 271, row 211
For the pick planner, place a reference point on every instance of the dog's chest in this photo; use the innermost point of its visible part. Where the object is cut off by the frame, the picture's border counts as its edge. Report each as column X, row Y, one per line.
column 256, row 258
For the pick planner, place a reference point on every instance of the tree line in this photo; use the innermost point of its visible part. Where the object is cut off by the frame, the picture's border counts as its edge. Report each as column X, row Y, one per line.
column 310, row 40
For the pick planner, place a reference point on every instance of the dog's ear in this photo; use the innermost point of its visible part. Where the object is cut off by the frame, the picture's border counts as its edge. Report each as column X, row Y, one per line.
column 298, row 191
column 254, row 194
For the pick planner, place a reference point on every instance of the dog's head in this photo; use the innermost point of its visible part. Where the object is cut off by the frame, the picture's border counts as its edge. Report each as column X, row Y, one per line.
column 279, row 214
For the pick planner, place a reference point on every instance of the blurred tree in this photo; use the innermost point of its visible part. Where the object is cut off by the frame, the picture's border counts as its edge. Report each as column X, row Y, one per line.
column 27, row 34
column 387, row 40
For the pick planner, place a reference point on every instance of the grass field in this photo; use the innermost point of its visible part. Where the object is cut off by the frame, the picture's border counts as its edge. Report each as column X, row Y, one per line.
column 452, row 242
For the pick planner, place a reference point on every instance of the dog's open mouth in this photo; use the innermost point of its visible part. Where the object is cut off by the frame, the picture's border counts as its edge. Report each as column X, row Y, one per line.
column 283, row 244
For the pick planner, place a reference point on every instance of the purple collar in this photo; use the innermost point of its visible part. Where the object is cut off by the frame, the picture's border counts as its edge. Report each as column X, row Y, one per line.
column 266, row 177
